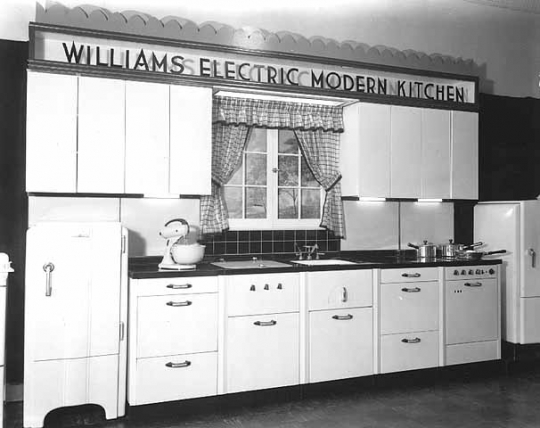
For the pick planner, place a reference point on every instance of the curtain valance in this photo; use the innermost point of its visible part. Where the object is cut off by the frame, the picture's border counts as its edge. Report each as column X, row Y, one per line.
column 277, row 114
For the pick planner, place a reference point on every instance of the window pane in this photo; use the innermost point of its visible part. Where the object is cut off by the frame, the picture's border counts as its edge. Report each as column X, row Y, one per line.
column 288, row 170
column 237, row 176
column 255, row 202
column 257, row 140
column 308, row 180
column 311, row 203
column 233, row 199
column 287, row 203
column 255, row 169
column 287, row 142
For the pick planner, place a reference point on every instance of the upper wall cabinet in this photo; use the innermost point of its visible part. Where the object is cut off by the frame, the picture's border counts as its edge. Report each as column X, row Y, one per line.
column 147, row 138
column 101, row 135
column 365, row 150
column 51, row 133
column 191, row 140
column 464, row 157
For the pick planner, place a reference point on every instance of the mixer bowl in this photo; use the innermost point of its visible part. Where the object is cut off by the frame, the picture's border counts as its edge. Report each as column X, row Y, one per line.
column 187, row 254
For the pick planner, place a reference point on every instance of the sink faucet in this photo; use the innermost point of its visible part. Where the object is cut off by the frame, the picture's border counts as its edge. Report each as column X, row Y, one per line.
column 312, row 250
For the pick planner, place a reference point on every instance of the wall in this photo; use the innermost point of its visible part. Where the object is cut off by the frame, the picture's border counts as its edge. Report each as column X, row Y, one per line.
column 503, row 42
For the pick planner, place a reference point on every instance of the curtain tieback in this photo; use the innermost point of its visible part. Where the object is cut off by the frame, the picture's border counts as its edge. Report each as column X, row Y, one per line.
column 329, row 182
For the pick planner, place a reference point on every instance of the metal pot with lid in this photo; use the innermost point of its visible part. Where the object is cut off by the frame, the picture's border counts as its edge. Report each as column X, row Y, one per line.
column 453, row 250
column 425, row 251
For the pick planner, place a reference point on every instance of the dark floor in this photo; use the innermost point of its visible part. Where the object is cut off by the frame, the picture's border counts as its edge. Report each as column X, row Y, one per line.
column 493, row 400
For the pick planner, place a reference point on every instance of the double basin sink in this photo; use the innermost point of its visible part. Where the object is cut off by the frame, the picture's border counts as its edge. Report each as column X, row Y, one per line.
column 265, row 264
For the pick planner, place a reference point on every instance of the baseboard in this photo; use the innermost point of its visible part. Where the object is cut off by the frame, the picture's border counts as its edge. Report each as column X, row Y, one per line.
column 14, row 392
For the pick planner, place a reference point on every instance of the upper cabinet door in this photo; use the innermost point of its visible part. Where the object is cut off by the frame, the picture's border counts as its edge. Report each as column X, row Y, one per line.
column 51, row 133
column 406, row 152
column 147, row 138
column 435, row 154
column 190, row 140
column 365, row 150
column 101, row 135
column 464, row 157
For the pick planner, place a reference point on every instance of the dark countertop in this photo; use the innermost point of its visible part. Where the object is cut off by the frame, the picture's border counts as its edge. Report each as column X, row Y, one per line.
column 147, row 267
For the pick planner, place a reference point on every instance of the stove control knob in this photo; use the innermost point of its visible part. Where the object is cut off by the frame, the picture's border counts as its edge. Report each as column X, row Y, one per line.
column 463, row 272
column 456, row 272
column 479, row 272
column 491, row 271
column 471, row 272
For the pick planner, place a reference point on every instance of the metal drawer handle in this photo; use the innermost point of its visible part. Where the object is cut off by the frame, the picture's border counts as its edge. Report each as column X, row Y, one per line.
column 48, row 268
column 265, row 323
column 179, row 286
column 343, row 317
column 178, row 365
column 415, row 340
column 178, row 304
column 411, row 290
column 410, row 275
column 473, row 284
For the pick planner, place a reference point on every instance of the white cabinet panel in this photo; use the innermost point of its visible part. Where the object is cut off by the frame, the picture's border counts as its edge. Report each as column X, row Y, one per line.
column 101, row 135
column 177, row 324
column 51, row 133
column 435, row 154
column 410, row 351
column 406, row 152
column 409, row 275
column 340, row 344
column 147, row 138
column 464, row 155
column 262, row 352
column 365, row 150
column 340, row 289
column 191, row 140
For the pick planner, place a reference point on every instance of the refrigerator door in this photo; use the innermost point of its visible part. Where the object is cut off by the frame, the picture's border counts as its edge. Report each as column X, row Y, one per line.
column 73, row 273
column 530, row 238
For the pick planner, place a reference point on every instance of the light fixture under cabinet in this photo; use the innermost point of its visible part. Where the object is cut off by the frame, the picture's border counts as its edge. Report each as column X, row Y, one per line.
column 432, row 200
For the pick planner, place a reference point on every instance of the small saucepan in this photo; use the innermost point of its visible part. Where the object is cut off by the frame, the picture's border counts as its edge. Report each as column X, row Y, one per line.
column 477, row 255
column 426, row 250
column 452, row 250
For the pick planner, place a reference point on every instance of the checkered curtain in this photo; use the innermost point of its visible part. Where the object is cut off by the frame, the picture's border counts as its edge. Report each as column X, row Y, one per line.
column 321, row 151
column 228, row 143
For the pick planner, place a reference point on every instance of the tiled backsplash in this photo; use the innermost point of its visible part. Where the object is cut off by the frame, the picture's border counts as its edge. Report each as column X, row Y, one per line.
column 268, row 241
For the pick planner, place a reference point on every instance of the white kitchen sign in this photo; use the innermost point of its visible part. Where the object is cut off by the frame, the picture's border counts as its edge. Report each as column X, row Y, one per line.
column 218, row 66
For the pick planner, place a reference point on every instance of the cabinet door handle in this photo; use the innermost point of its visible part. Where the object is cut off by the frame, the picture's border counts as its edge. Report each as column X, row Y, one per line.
column 532, row 253
column 179, row 304
column 265, row 323
column 415, row 340
column 343, row 317
column 410, row 275
column 179, row 286
column 473, row 284
column 178, row 365
column 48, row 268
column 345, row 295
column 411, row 290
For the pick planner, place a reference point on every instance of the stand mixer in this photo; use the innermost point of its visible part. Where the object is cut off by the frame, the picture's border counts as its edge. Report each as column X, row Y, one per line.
column 174, row 231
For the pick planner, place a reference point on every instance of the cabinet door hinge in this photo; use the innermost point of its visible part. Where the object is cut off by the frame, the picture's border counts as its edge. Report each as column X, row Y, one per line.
column 122, row 331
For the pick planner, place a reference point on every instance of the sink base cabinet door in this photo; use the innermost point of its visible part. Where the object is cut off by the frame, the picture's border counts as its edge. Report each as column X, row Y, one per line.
column 262, row 352
column 340, row 344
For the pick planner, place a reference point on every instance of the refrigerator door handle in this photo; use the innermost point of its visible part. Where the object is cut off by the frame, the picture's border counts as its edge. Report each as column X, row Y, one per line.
column 48, row 268
column 532, row 253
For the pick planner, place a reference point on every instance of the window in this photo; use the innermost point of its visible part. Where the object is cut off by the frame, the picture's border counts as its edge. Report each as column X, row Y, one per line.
column 273, row 186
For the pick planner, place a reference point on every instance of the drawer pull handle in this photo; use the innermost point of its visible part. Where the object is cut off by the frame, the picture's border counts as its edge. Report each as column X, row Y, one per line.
column 279, row 286
column 411, row 290
column 266, row 287
column 179, row 286
column 252, row 288
column 265, row 323
column 415, row 340
column 473, row 284
column 345, row 295
column 179, row 304
column 178, row 365
column 410, row 275
column 343, row 317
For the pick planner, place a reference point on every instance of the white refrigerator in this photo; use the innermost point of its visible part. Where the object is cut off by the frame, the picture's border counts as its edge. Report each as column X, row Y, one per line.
column 75, row 318
column 515, row 227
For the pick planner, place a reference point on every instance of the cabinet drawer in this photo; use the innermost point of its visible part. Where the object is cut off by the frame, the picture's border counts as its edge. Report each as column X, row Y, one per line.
column 409, row 307
column 175, row 378
column 339, row 289
column 179, row 324
column 409, row 275
column 400, row 352
column 179, row 285
column 262, row 294
column 262, row 351
column 340, row 344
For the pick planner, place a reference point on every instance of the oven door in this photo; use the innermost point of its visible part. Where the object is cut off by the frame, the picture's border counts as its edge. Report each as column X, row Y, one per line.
column 471, row 310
